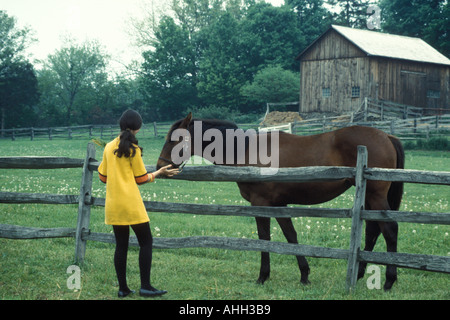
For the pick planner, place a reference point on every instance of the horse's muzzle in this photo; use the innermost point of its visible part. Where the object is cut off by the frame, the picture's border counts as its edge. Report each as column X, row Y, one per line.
column 167, row 162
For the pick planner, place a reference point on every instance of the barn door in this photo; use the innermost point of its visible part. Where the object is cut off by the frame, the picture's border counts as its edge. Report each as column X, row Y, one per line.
column 413, row 88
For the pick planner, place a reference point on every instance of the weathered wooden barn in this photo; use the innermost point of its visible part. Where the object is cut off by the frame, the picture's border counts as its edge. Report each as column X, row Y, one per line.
column 344, row 65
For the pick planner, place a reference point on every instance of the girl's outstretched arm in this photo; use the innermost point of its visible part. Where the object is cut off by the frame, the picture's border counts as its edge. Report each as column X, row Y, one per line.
column 164, row 171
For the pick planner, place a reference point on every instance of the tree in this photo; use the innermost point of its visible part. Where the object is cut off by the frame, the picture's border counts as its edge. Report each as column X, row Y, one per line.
column 272, row 35
column 426, row 19
column 19, row 94
column 352, row 13
column 204, row 51
column 50, row 111
column 273, row 84
column 18, row 86
column 170, row 72
column 313, row 19
column 75, row 71
column 13, row 41
column 221, row 75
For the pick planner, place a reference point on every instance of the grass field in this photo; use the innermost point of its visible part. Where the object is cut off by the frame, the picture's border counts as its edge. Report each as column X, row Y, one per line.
column 36, row 269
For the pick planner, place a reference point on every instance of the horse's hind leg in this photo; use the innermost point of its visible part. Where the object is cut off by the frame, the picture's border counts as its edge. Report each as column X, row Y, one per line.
column 263, row 225
column 291, row 236
column 376, row 201
column 372, row 233
column 390, row 233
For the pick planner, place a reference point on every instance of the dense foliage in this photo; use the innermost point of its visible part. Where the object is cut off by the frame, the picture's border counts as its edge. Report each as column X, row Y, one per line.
column 228, row 55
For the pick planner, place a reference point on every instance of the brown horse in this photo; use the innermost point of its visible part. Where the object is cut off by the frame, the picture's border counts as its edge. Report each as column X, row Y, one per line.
column 336, row 148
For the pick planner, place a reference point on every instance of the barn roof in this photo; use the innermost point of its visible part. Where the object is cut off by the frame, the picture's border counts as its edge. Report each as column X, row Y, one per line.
column 388, row 45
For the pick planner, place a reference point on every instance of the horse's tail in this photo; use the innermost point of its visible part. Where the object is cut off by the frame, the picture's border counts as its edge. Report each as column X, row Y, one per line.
column 396, row 190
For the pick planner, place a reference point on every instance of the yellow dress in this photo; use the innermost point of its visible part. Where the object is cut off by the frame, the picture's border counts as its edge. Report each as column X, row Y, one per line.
column 124, row 205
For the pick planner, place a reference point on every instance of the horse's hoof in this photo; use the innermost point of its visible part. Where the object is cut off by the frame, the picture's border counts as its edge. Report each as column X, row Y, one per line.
column 261, row 280
column 389, row 282
column 305, row 282
column 388, row 286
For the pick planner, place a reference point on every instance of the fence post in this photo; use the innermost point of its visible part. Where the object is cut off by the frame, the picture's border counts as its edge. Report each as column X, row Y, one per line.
column 84, row 206
column 356, row 231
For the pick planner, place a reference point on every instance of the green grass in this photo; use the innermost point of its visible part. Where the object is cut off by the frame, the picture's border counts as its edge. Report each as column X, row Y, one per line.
column 36, row 269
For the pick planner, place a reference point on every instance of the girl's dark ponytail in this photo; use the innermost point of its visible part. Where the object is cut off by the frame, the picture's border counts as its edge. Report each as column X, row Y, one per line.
column 130, row 120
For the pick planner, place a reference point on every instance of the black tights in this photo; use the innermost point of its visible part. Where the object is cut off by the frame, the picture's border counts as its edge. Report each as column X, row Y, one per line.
column 145, row 240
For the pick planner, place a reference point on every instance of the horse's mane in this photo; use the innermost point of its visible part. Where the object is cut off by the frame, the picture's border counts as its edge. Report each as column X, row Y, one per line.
column 221, row 125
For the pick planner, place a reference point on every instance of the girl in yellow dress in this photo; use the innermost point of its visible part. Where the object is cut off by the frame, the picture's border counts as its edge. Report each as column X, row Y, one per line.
column 122, row 169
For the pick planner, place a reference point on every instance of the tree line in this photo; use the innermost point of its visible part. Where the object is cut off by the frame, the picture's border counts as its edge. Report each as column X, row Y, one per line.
column 215, row 57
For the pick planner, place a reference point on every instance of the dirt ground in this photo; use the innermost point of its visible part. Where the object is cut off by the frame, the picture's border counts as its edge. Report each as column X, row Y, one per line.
column 277, row 117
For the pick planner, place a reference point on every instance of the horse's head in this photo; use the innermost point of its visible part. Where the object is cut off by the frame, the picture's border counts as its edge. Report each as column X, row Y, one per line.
column 176, row 150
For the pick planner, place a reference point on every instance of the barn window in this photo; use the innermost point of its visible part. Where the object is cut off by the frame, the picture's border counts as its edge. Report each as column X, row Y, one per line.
column 436, row 94
column 326, row 92
column 355, row 92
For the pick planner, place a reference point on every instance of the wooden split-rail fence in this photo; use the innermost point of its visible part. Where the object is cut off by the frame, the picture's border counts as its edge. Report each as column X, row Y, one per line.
column 354, row 255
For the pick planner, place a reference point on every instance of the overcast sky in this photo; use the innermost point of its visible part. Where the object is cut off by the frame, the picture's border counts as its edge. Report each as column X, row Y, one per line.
column 108, row 21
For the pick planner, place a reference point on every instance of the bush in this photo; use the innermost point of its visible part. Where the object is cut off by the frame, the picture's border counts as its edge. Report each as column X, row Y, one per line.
column 273, row 84
column 436, row 143
column 224, row 113
column 213, row 112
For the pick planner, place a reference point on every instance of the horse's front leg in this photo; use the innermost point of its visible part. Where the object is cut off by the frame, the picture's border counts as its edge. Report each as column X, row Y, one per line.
column 263, row 225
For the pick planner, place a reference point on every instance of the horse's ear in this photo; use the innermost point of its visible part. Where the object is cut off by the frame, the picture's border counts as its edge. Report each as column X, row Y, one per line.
column 186, row 121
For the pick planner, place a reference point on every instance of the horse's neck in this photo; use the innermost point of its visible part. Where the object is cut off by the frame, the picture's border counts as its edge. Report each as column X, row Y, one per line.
column 200, row 151
column 241, row 146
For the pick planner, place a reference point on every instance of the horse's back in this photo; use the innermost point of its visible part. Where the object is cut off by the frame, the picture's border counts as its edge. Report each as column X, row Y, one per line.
column 380, row 149
column 337, row 148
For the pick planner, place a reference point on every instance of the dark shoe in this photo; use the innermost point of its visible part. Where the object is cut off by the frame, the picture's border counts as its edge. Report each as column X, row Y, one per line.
column 123, row 294
column 151, row 293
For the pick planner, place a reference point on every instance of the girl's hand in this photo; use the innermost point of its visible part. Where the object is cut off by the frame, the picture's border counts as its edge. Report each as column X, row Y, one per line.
column 166, row 171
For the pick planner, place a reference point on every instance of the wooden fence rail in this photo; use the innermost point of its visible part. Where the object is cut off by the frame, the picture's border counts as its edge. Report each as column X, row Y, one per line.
column 109, row 131
column 411, row 128
column 408, row 128
column 353, row 255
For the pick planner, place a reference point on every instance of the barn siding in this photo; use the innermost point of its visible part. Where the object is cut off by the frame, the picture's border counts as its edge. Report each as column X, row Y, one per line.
column 333, row 62
column 340, row 76
column 336, row 63
column 408, row 82
column 332, row 46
